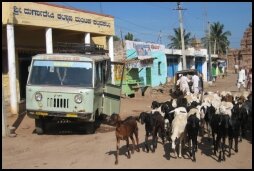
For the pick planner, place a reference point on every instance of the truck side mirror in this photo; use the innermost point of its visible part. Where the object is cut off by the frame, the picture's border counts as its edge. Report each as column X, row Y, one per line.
column 29, row 68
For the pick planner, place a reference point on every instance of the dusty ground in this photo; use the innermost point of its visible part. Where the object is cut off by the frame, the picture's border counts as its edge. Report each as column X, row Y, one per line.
column 69, row 149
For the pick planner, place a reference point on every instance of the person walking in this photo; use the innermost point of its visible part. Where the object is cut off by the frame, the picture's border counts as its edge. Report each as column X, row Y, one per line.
column 241, row 78
column 195, row 81
column 214, row 66
column 201, row 83
column 236, row 68
column 249, row 80
column 183, row 82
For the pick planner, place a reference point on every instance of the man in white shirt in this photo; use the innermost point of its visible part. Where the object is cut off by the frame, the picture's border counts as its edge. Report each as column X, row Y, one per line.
column 241, row 78
column 184, row 86
column 195, row 80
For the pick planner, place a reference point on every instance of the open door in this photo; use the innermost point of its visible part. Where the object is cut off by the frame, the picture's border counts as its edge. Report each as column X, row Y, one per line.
column 112, row 89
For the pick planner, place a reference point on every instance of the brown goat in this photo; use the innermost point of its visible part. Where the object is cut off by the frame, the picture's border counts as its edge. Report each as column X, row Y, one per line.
column 228, row 98
column 124, row 130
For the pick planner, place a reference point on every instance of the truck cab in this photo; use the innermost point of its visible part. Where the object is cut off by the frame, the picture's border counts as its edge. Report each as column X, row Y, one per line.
column 71, row 86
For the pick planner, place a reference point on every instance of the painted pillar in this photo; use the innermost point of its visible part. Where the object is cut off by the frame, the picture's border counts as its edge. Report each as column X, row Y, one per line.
column 12, row 69
column 193, row 63
column 111, row 54
column 87, row 39
column 204, row 69
column 49, row 42
column 180, row 64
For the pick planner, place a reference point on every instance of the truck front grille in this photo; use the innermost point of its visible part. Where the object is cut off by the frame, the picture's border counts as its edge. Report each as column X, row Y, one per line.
column 58, row 102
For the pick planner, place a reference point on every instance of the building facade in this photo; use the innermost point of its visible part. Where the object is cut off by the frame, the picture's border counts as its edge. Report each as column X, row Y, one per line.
column 195, row 59
column 242, row 56
column 29, row 28
column 153, row 69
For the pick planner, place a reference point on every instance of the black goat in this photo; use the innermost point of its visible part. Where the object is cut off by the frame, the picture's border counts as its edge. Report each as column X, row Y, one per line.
column 209, row 113
column 243, row 117
column 220, row 126
column 153, row 123
column 155, row 105
column 181, row 102
column 193, row 104
column 168, row 118
column 234, row 128
column 175, row 94
column 192, row 129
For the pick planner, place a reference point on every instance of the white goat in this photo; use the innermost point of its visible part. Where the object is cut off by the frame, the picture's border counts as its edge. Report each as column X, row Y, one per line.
column 178, row 126
column 225, row 108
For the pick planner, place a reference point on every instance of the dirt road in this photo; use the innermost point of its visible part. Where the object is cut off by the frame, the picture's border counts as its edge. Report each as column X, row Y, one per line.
column 72, row 150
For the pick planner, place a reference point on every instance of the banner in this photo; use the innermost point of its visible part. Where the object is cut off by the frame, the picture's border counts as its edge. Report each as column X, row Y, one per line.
column 144, row 49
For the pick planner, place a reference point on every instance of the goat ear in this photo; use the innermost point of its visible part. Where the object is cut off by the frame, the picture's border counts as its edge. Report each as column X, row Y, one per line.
column 172, row 111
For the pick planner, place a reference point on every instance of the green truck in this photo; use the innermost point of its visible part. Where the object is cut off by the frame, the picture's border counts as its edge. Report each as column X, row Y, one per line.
column 75, row 87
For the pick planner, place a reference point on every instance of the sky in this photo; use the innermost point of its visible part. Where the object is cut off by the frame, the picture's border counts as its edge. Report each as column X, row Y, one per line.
column 155, row 21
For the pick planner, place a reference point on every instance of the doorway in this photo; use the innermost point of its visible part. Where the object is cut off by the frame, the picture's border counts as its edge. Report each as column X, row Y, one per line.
column 24, row 61
column 148, row 76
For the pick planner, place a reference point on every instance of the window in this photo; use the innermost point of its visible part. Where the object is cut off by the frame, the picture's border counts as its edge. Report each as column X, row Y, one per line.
column 159, row 68
column 61, row 73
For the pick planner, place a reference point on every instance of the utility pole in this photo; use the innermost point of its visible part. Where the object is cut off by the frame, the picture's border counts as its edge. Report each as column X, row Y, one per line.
column 101, row 8
column 159, row 38
column 122, row 38
column 179, row 8
column 209, row 51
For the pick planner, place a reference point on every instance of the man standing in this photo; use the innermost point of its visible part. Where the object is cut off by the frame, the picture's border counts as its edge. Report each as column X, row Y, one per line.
column 236, row 68
column 241, row 78
column 184, row 86
column 214, row 71
column 195, row 81
column 249, row 80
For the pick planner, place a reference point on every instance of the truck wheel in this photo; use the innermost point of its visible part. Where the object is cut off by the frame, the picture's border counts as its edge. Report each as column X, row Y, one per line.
column 90, row 127
column 39, row 126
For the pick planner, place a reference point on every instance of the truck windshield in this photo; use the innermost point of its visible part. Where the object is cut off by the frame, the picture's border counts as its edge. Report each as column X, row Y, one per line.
column 61, row 73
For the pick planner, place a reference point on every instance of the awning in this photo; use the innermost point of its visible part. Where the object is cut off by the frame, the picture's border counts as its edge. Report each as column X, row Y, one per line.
column 145, row 57
column 140, row 61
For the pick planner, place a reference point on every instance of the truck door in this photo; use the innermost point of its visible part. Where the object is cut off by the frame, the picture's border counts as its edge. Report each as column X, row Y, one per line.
column 113, row 87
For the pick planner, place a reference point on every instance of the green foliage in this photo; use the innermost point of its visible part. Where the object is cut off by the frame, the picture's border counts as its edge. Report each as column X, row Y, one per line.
column 129, row 36
column 175, row 40
column 219, row 38
column 116, row 38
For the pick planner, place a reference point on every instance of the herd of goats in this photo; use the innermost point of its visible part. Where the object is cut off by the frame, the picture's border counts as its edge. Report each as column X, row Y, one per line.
column 182, row 118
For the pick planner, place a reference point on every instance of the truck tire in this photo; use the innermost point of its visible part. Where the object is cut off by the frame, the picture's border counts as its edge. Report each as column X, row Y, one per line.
column 90, row 127
column 39, row 126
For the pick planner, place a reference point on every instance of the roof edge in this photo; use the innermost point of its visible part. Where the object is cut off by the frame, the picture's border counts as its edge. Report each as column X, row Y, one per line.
column 75, row 9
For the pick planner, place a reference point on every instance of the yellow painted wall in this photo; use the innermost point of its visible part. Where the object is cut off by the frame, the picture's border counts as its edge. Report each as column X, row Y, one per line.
column 100, row 40
column 37, row 14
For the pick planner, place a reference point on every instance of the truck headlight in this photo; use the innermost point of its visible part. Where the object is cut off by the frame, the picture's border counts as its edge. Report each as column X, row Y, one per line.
column 38, row 96
column 78, row 98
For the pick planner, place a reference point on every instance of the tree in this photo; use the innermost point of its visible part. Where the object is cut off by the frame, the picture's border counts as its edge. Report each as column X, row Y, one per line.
column 176, row 39
column 219, row 38
column 129, row 36
column 137, row 40
column 250, row 25
column 116, row 38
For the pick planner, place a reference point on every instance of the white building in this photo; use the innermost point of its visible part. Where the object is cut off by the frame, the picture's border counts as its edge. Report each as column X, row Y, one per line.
column 195, row 59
